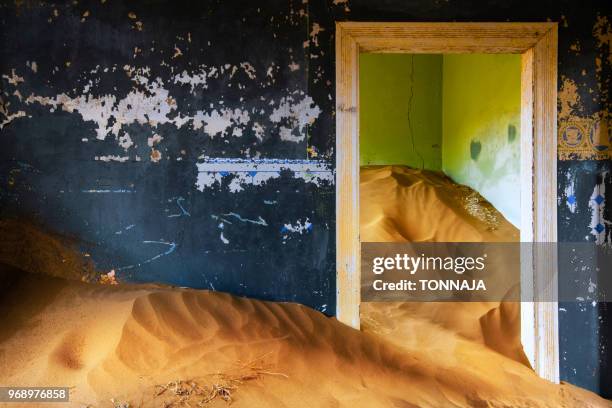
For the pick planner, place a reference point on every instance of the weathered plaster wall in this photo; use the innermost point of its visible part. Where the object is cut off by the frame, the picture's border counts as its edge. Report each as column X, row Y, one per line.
column 481, row 114
column 400, row 116
column 178, row 142
column 119, row 120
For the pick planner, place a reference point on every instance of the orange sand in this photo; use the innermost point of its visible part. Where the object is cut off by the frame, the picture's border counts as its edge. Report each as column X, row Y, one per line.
column 115, row 344
column 400, row 204
column 119, row 342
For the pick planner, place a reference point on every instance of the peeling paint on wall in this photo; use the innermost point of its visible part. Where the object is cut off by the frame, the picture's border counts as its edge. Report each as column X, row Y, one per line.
column 298, row 227
column 296, row 115
column 150, row 103
column 240, row 172
column 569, row 194
column 9, row 117
column 81, row 95
column 582, row 135
column 601, row 228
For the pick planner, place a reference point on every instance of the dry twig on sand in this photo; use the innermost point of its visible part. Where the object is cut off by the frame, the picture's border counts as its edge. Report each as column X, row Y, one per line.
column 203, row 390
column 120, row 404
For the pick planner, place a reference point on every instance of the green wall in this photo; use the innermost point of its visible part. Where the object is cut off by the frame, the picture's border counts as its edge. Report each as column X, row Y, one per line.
column 384, row 98
column 481, row 124
column 465, row 119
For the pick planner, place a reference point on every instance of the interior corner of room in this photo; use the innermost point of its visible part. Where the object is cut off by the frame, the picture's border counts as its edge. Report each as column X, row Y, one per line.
column 455, row 113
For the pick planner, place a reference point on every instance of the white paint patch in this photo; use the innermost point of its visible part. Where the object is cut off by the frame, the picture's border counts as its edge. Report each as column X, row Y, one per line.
column 151, row 107
column 218, row 122
column 569, row 194
column 149, row 103
column 194, row 79
column 259, row 131
column 105, row 191
column 154, row 140
column 199, row 77
column 125, row 141
column 298, row 115
column 299, row 227
column 258, row 171
column 592, row 286
column 112, row 158
column 598, row 222
column 223, row 239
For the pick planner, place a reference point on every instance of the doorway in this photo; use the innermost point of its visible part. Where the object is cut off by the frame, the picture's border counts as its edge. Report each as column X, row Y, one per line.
column 536, row 43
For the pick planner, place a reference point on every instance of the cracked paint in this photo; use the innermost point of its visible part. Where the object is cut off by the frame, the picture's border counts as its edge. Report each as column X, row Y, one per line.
column 150, row 103
column 241, row 172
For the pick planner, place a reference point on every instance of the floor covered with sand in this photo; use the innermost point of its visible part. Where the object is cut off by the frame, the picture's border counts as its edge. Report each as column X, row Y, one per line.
column 167, row 347
column 403, row 204
column 153, row 346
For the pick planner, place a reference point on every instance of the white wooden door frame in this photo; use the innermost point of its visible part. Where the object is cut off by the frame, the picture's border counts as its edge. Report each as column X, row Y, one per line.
column 537, row 44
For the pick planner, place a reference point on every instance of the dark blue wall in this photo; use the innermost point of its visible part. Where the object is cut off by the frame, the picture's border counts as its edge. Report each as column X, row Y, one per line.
column 111, row 135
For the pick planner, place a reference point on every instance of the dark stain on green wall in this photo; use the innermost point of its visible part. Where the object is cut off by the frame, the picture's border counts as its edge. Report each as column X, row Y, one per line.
column 475, row 149
column 511, row 133
column 481, row 96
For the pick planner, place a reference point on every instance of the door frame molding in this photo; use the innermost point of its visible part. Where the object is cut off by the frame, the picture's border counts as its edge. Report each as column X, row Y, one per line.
column 537, row 44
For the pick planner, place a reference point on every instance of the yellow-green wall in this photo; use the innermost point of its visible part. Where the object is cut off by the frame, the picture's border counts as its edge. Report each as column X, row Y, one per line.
column 481, row 124
column 384, row 98
column 465, row 115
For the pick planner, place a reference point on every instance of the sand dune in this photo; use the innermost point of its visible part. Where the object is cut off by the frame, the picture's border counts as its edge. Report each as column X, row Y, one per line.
column 399, row 204
column 119, row 342
column 402, row 204
column 154, row 346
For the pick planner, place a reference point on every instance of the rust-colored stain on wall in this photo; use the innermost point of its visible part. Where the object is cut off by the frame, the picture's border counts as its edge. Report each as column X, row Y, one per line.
column 583, row 136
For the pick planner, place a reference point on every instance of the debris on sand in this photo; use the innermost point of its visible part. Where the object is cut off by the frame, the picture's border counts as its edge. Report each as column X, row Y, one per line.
column 209, row 388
